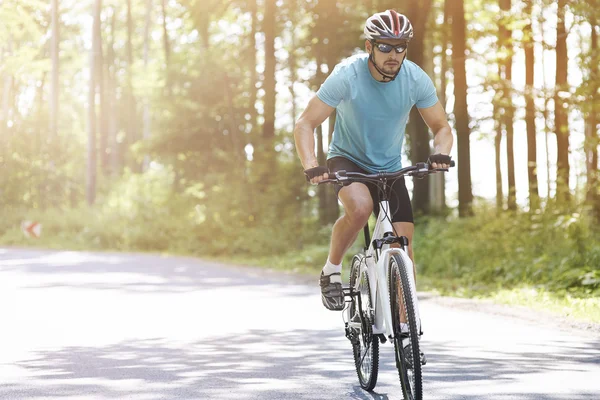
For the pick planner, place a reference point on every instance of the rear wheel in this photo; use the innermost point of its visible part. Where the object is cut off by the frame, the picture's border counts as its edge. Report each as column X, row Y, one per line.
column 365, row 346
column 406, row 341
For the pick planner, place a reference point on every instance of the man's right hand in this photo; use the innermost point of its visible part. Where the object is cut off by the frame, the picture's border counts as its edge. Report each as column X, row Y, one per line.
column 316, row 174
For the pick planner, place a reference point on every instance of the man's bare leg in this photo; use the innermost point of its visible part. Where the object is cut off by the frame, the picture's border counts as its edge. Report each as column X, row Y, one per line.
column 358, row 206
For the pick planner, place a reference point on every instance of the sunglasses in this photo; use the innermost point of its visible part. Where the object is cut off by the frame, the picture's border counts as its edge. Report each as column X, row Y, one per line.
column 386, row 48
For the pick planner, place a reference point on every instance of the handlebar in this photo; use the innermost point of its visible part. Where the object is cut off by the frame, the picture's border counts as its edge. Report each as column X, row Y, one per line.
column 419, row 170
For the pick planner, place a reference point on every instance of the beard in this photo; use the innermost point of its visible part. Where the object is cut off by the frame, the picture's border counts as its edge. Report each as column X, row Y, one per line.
column 390, row 69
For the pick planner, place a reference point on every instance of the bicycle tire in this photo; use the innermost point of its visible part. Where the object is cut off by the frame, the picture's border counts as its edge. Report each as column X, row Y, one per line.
column 411, row 379
column 366, row 352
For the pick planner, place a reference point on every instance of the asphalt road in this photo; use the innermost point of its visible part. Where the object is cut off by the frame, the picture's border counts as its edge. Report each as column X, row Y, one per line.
column 115, row 326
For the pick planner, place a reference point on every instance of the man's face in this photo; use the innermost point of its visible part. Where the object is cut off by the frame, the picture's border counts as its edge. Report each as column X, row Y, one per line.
column 388, row 62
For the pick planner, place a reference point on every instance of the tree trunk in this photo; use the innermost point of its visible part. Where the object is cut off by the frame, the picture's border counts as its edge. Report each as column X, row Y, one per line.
column 438, row 181
column 237, row 148
column 131, row 136
column 545, row 111
column 54, row 49
column 111, row 98
column 41, row 150
column 147, row 121
column 418, row 130
column 497, row 107
column 444, row 63
column 561, row 108
column 167, row 48
column 528, row 44
column 102, row 122
column 292, row 55
column 465, row 194
column 253, row 63
column 91, row 159
column 592, row 138
column 505, row 36
column 498, row 152
column 269, row 22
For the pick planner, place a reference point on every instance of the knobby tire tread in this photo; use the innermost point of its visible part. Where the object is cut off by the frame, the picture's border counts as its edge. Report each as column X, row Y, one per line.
column 409, row 309
column 372, row 381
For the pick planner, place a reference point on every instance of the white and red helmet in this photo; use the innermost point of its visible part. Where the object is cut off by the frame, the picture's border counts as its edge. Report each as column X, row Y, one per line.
column 388, row 24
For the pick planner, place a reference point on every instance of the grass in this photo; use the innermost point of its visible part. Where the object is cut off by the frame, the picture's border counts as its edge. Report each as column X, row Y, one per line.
column 561, row 303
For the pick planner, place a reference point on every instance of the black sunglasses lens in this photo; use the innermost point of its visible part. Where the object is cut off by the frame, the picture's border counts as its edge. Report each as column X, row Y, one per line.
column 384, row 48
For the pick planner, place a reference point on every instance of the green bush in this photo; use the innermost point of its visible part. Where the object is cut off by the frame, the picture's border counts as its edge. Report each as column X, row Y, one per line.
column 555, row 248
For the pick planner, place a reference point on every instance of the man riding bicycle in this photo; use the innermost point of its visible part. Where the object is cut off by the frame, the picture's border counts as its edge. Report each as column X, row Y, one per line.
column 373, row 94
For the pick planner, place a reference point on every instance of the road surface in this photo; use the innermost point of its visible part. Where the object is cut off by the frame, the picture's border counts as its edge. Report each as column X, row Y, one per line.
column 123, row 326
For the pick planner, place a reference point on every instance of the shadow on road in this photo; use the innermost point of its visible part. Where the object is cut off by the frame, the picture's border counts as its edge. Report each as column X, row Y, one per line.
column 254, row 365
column 261, row 364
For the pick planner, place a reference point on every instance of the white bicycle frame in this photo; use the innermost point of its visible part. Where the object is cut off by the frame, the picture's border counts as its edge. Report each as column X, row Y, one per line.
column 378, row 274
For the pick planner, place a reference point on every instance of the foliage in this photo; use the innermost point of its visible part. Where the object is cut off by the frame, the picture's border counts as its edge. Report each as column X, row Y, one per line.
column 142, row 212
column 555, row 249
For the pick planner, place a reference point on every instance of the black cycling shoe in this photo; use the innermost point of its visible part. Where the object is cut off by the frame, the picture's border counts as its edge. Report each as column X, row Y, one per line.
column 408, row 356
column 331, row 293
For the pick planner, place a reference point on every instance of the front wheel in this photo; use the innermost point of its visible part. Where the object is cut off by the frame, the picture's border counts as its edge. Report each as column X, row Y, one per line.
column 365, row 346
column 406, row 335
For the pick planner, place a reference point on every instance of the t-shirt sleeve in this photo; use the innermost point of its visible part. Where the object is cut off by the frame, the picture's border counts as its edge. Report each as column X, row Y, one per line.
column 335, row 88
column 426, row 93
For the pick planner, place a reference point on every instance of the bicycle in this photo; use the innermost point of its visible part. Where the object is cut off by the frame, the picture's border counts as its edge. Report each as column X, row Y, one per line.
column 378, row 275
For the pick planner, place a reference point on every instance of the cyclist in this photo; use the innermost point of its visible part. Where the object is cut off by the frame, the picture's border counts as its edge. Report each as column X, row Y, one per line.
column 373, row 94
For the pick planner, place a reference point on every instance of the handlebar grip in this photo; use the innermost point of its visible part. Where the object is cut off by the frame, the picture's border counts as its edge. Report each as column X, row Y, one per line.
column 452, row 163
column 327, row 181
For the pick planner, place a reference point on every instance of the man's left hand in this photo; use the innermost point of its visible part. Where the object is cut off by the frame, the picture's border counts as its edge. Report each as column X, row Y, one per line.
column 439, row 161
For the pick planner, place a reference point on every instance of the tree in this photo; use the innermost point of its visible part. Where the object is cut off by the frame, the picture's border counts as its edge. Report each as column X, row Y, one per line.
column 268, row 137
column 528, row 44
column 438, row 181
column 465, row 194
column 507, row 119
column 293, row 18
column 166, row 45
column 91, row 156
column 146, row 122
column 111, row 98
column 253, row 61
column 54, row 50
column 103, row 111
column 418, row 130
column 130, row 116
column 561, row 107
column 592, row 138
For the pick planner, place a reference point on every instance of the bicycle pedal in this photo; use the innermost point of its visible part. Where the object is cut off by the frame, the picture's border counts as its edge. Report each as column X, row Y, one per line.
column 382, row 338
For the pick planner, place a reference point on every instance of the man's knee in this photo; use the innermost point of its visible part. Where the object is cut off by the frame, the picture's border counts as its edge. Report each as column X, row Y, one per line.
column 359, row 213
column 358, row 204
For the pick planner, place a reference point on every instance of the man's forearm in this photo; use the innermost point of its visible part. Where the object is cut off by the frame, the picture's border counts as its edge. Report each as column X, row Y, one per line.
column 443, row 140
column 305, row 144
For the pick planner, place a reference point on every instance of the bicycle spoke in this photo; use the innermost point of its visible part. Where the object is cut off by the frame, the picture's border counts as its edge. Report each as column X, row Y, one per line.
column 365, row 348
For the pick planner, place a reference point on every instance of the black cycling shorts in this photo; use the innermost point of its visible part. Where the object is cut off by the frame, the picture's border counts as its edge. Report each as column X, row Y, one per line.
column 397, row 194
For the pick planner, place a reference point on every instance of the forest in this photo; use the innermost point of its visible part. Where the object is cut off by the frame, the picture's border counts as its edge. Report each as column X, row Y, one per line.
column 166, row 126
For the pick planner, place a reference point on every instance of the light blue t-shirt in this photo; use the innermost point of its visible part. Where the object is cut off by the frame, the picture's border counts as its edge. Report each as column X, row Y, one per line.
column 371, row 115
